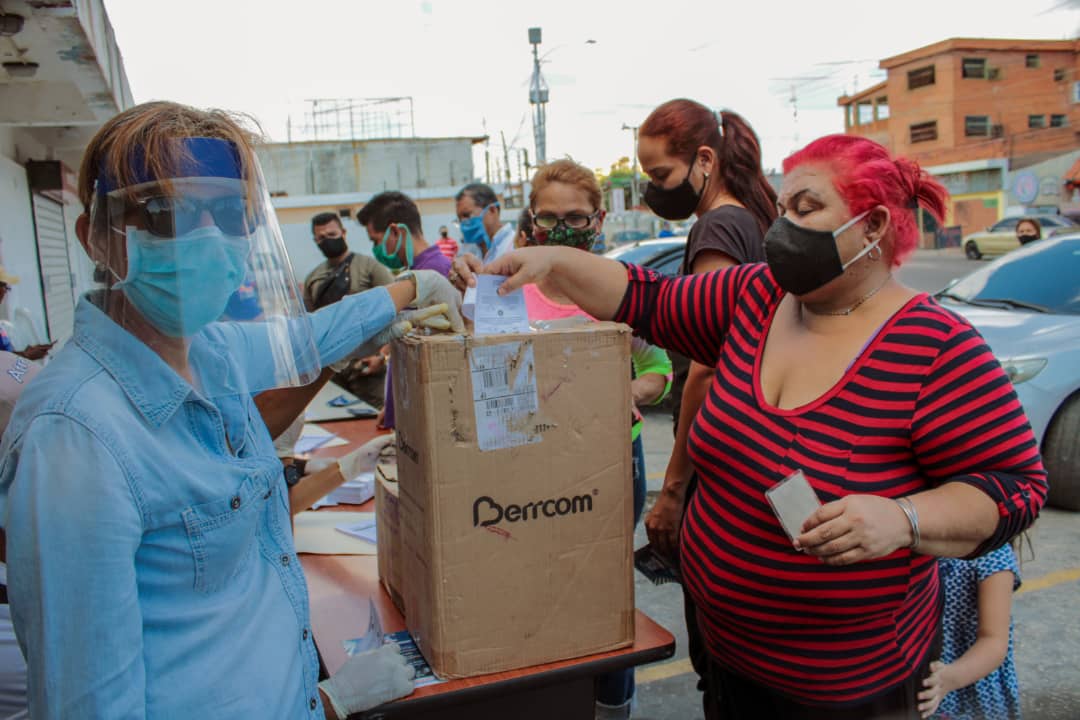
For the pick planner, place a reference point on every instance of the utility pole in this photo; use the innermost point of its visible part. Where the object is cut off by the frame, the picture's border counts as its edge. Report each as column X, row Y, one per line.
column 634, row 164
column 506, row 166
column 487, row 155
column 538, row 98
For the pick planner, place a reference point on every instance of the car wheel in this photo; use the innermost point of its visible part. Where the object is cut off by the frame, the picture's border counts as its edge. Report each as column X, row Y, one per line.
column 1061, row 455
column 972, row 250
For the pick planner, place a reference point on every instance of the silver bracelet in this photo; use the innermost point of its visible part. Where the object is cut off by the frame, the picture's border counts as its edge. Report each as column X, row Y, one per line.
column 913, row 517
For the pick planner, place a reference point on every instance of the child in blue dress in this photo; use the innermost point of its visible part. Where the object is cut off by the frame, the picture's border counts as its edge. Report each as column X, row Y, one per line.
column 976, row 677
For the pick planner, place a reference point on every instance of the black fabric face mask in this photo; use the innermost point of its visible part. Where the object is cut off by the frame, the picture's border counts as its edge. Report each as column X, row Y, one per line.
column 679, row 202
column 803, row 260
column 333, row 247
column 1025, row 239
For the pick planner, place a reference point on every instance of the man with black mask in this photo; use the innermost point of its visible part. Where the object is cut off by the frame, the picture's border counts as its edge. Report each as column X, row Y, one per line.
column 344, row 272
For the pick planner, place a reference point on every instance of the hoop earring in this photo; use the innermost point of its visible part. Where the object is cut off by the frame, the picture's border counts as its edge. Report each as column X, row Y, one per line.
column 875, row 253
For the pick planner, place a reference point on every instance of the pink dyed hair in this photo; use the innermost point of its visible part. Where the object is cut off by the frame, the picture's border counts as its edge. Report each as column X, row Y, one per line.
column 865, row 176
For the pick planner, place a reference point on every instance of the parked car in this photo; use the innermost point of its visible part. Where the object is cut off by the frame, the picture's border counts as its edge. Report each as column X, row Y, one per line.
column 1000, row 237
column 649, row 252
column 1027, row 307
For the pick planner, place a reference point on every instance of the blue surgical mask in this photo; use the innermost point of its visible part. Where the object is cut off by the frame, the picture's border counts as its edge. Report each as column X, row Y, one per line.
column 181, row 285
column 473, row 232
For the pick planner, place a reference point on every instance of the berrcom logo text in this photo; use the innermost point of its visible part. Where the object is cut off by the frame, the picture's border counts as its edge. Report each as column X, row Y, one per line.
column 492, row 512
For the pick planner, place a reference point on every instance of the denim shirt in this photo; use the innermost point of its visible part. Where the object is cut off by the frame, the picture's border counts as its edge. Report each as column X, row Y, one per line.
column 151, row 565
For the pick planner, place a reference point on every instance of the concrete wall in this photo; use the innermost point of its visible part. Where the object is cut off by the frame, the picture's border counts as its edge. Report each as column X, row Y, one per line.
column 317, row 168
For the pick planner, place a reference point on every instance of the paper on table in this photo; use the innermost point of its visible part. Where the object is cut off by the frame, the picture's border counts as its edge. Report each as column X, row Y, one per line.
column 365, row 530
column 499, row 314
column 316, row 533
column 313, row 437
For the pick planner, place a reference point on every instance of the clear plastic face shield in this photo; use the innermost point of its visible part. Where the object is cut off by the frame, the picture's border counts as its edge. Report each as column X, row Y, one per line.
column 196, row 263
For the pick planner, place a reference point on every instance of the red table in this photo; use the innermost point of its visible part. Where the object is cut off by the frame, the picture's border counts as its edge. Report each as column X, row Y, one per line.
column 342, row 587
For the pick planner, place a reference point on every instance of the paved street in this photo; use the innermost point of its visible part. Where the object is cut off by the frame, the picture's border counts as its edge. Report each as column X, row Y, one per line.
column 1045, row 614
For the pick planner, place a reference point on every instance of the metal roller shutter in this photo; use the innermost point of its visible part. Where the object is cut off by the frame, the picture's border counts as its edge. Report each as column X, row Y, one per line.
column 56, row 284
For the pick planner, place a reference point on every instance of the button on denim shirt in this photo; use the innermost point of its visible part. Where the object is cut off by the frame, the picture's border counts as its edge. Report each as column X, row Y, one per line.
column 151, row 565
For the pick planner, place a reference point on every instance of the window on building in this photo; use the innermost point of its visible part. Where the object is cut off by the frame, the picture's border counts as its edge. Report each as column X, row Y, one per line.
column 973, row 67
column 883, row 108
column 865, row 112
column 1059, row 74
column 977, row 125
column 924, row 132
column 1059, row 120
column 920, row 77
column 1031, row 60
column 1036, row 121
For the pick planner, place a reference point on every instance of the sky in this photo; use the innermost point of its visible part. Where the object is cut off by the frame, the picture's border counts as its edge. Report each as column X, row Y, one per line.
column 467, row 63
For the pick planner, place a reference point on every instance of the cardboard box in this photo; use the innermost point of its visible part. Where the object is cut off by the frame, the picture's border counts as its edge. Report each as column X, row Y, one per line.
column 388, row 530
column 516, row 496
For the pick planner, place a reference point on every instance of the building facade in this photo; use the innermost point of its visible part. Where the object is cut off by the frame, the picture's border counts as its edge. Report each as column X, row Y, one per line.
column 340, row 176
column 62, row 77
column 975, row 112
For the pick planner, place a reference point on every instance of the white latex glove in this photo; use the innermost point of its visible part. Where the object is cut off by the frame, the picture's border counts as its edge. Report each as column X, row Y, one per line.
column 361, row 460
column 432, row 289
column 367, row 680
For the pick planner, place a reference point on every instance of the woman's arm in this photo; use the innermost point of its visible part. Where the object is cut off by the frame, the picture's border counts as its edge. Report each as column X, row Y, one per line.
column 689, row 314
column 594, row 283
column 74, row 527
column 280, row 407
column 974, row 444
column 970, row 432
column 652, row 371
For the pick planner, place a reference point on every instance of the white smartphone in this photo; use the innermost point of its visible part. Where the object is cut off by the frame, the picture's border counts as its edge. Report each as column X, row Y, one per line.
column 793, row 500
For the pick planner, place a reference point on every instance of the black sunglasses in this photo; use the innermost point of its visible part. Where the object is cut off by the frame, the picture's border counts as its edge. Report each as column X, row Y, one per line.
column 169, row 216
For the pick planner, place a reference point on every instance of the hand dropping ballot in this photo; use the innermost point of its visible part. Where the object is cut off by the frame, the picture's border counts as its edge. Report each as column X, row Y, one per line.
column 494, row 314
column 793, row 500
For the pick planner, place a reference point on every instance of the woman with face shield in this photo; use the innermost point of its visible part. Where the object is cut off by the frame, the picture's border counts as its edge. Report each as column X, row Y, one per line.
column 152, row 571
column 880, row 425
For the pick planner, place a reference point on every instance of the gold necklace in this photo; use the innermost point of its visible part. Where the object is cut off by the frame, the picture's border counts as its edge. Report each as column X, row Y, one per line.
column 851, row 309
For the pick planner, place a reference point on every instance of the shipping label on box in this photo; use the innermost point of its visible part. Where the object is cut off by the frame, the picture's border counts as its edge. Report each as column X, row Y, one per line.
column 515, row 496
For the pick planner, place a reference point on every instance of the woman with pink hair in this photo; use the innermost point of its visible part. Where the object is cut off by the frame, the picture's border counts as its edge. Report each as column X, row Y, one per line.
column 888, row 416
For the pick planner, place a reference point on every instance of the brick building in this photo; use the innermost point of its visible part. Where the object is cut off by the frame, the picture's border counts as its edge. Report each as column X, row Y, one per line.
column 974, row 112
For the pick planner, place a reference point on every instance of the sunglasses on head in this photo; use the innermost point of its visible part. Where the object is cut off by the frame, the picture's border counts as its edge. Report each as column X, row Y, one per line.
column 170, row 216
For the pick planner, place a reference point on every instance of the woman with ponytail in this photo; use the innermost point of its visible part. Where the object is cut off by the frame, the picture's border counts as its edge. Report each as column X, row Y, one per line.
column 854, row 432
column 708, row 164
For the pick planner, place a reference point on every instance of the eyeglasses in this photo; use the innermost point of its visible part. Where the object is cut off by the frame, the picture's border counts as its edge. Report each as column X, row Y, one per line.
column 574, row 221
column 169, row 216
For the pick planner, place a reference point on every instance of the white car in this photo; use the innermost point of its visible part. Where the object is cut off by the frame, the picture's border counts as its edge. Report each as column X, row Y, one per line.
column 1027, row 307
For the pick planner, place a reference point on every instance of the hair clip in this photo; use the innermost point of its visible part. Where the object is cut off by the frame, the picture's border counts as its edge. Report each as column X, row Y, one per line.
column 719, row 122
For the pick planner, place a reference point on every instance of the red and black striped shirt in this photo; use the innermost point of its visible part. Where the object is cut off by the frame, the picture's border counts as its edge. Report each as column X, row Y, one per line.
column 924, row 403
